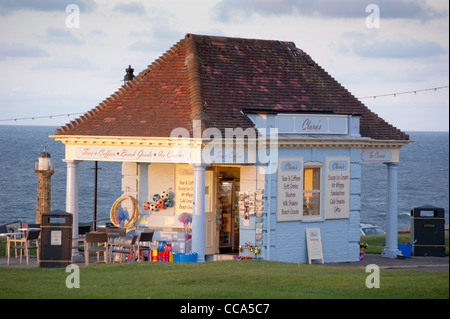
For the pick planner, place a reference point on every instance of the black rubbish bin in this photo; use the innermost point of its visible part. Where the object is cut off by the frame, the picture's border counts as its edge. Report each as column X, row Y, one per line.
column 56, row 239
column 428, row 231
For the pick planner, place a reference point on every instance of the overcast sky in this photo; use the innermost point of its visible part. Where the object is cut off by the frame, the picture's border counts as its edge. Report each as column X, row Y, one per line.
column 49, row 66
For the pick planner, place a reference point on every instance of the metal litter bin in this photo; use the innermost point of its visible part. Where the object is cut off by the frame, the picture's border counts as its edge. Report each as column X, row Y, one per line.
column 428, row 230
column 56, row 239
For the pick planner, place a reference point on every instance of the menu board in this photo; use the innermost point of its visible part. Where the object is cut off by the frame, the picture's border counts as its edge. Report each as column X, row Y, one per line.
column 290, row 189
column 184, row 189
column 337, row 187
column 314, row 244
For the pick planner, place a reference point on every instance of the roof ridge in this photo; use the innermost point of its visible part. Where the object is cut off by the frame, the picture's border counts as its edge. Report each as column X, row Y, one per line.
column 194, row 80
column 238, row 40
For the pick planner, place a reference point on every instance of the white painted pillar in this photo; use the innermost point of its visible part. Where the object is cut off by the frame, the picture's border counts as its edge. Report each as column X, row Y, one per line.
column 198, row 217
column 391, row 250
column 72, row 193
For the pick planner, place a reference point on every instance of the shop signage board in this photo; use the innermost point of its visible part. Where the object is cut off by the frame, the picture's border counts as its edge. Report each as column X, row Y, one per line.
column 337, row 187
column 184, row 189
column 312, row 124
column 314, row 244
column 290, row 189
column 124, row 154
column 376, row 155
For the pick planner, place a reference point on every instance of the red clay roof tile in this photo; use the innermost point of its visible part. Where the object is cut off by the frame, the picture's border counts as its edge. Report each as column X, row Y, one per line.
column 213, row 79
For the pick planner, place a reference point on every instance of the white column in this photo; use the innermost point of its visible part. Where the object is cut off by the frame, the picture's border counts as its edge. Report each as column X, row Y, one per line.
column 198, row 218
column 72, row 193
column 391, row 250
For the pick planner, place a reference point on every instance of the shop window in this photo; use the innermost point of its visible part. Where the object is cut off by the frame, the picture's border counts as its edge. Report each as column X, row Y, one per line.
column 311, row 190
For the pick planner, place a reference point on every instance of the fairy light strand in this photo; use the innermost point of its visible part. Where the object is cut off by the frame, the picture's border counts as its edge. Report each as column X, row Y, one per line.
column 360, row 98
column 400, row 93
column 40, row 117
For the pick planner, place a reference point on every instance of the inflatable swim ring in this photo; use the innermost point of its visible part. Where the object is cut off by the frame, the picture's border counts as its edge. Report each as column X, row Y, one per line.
column 131, row 219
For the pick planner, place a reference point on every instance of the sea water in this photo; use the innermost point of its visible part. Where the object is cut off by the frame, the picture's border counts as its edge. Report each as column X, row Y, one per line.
column 423, row 177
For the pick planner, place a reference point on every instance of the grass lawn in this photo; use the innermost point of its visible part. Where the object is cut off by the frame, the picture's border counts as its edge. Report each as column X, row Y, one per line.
column 250, row 279
column 375, row 243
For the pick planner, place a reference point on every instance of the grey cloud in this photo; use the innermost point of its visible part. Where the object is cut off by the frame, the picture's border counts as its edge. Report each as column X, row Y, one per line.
column 390, row 49
column 162, row 38
column 130, row 8
column 19, row 50
column 53, row 35
column 67, row 63
column 401, row 49
column 239, row 10
column 10, row 6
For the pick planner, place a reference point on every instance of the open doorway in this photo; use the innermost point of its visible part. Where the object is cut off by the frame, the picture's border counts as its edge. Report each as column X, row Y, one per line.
column 227, row 208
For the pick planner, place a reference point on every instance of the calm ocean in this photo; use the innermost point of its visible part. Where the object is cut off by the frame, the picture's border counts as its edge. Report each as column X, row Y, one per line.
column 423, row 177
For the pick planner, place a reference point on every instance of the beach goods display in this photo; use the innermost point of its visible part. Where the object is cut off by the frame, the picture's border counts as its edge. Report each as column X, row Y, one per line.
column 160, row 203
column 146, row 205
column 406, row 248
column 119, row 217
column 168, row 203
column 185, row 219
column 165, row 195
column 167, row 251
column 255, row 250
column 362, row 250
column 181, row 257
column 161, row 244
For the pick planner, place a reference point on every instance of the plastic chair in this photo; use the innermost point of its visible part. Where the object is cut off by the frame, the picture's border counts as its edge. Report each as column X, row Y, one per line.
column 26, row 244
column 3, row 232
column 125, row 248
column 143, row 238
column 101, row 239
column 8, row 230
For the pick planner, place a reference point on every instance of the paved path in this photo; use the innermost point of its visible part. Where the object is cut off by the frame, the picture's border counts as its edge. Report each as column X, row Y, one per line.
column 413, row 263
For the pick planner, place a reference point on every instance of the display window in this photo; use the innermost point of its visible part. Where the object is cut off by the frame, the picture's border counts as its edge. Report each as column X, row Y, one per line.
column 311, row 190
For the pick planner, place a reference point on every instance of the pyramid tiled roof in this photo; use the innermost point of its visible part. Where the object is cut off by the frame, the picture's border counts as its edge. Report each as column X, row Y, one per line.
column 218, row 79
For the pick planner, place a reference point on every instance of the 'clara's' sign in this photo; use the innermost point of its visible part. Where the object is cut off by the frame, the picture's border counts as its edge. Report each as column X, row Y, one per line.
column 312, row 124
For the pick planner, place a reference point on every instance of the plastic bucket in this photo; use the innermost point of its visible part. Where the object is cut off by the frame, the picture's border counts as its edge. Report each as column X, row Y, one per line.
column 405, row 249
column 185, row 258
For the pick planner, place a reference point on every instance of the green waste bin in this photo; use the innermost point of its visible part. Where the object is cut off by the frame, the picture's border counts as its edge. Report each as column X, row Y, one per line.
column 56, row 239
column 428, row 231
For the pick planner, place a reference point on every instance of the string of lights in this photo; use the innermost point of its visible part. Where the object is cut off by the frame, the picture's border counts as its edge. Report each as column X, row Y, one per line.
column 360, row 98
column 406, row 92
column 40, row 117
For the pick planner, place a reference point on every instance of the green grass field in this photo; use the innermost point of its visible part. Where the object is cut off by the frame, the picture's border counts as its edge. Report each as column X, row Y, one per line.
column 225, row 279
column 376, row 242
column 249, row 279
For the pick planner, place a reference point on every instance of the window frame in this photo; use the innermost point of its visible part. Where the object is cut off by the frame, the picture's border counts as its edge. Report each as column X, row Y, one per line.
column 312, row 165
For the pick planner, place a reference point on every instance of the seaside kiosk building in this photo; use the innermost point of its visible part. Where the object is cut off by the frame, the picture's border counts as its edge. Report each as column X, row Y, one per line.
column 253, row 138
